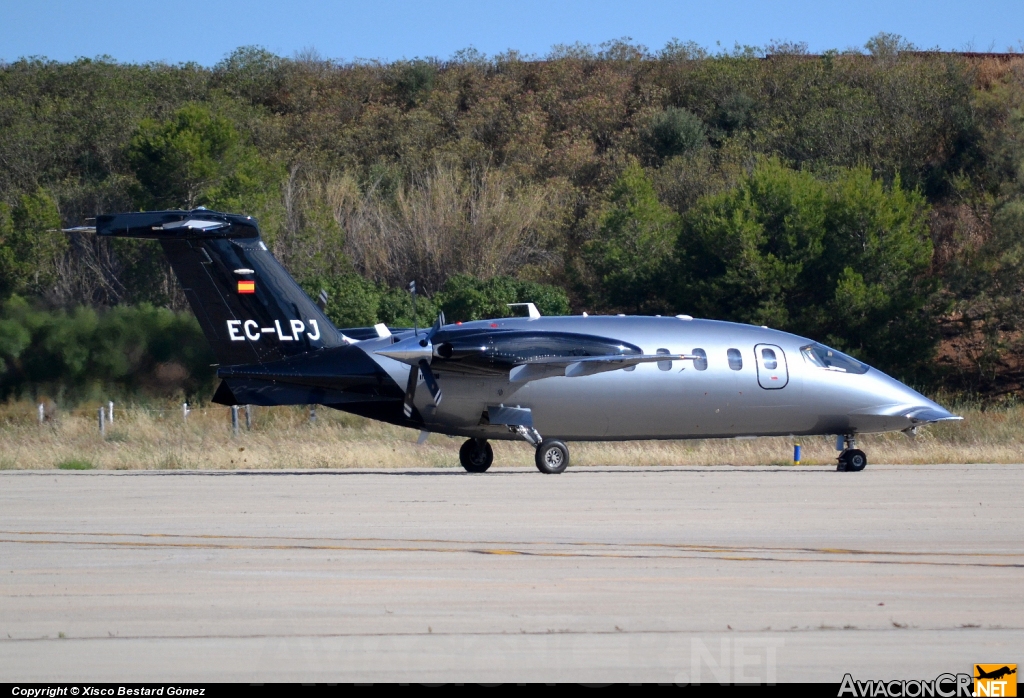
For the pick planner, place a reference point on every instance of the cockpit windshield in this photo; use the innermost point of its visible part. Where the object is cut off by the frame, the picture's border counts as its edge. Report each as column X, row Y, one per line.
column 831, row 360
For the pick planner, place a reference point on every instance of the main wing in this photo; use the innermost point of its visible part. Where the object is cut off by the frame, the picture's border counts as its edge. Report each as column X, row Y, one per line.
column 574, row 367
column 524, row 355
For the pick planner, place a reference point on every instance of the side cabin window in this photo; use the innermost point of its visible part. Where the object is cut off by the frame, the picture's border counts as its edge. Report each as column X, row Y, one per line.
column 735, row 359
column 701, row 362
column 664, row 365
column 768, row 358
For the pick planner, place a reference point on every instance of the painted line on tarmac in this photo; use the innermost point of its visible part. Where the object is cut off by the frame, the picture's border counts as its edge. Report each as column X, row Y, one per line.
column 696, row 554
column 505, row 633
column 692, row 547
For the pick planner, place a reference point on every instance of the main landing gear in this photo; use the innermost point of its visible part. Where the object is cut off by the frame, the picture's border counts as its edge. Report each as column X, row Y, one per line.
column 851, row 459
column 552, row 455
column 476, row 455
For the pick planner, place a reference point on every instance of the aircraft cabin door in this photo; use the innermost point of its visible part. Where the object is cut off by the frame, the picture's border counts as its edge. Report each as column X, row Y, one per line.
column 772, row 372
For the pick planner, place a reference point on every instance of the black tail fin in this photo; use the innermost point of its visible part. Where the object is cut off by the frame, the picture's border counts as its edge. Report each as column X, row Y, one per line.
column 249, row 307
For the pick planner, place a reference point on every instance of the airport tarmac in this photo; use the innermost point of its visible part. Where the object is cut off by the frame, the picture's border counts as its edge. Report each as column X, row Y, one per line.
column 600, row 574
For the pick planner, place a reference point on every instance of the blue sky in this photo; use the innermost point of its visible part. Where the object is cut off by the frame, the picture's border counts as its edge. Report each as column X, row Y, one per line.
column 204, row 31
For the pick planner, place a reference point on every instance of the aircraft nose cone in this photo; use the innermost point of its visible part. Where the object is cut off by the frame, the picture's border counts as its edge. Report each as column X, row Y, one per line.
column 891, row 405
column 930, row 413
column 916, row 407
column 409, row 351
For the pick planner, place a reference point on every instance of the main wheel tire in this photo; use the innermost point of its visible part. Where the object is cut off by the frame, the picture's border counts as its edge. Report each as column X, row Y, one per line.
column 476, row 455
column 856, row 460
column 552, row 457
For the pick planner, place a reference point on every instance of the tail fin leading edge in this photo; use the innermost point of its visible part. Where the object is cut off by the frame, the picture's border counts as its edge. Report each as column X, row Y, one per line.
column 251, row 310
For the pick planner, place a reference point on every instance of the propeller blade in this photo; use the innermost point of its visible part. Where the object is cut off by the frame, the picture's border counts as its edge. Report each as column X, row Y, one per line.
column 410, row 390
column 428, row 378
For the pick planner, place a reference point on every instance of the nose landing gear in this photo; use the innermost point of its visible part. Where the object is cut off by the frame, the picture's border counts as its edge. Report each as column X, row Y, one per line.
column 851, row 459
column 552, row 455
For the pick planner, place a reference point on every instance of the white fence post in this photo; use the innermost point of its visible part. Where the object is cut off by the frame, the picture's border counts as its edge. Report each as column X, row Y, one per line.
column 110, row 411
column 103, row 426
column 42, row 414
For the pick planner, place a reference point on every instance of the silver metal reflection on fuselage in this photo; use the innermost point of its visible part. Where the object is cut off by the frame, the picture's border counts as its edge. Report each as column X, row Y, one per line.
column 757, row 382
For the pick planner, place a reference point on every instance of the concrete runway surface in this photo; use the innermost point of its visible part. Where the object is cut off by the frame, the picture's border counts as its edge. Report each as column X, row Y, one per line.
column 601, row 574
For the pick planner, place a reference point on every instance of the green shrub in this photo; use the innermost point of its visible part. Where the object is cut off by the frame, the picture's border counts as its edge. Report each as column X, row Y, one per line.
column 673, row 132
column 75, row 464
column 83, row 351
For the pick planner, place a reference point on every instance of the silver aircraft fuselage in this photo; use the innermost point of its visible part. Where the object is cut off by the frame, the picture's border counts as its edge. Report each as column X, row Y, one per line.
column 674, row 399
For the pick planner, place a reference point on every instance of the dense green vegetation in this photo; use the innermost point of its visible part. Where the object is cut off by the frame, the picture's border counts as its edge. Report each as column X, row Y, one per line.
column 871, row 200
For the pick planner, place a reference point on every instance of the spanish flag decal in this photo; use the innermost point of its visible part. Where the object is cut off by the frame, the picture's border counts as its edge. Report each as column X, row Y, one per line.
column 247, row 287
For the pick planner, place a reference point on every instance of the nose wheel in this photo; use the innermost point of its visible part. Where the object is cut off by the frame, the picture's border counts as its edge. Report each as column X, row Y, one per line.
column 851, row 459
column 476, row 455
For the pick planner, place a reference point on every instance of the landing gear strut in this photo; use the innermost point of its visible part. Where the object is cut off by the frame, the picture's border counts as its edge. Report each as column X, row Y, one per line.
column 851, row 459
column 476, row 455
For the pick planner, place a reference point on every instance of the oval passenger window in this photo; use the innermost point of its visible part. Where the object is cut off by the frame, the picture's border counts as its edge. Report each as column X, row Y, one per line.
column 664, row 365
column 735, row 359
column 769, row 359
column 701, row 362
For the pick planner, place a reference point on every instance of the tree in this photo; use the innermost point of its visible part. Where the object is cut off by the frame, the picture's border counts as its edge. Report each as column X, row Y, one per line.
column 352, row 301
column 633, row 244
column 82, row 352
column 508, row 166
column 355, row 302
column 465, row 298
column 743, row 253
column 252, row 73
column 887, row 45
column 14, row 336
column 674, row 132
column 181, row 161
column 30, row 244
column 842, row 261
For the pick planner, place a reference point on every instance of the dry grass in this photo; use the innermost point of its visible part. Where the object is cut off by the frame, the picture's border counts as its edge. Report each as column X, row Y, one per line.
column 282, row 437
column 443, row 223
